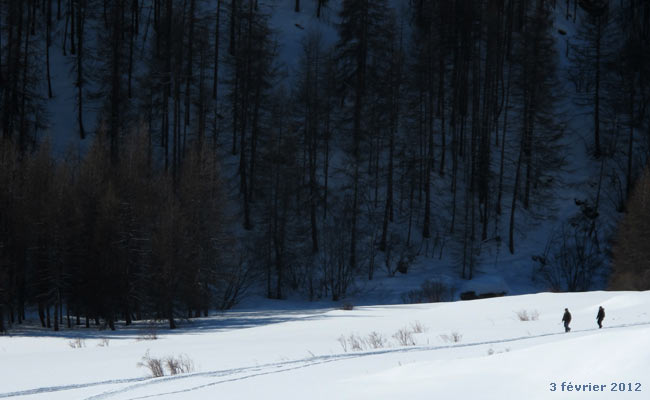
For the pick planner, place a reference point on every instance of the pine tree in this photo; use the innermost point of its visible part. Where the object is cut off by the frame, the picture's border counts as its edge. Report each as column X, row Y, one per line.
column 360, row 43
column 630, row 268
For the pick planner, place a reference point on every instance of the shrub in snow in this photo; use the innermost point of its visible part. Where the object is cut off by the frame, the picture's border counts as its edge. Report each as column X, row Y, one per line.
column 524, row 315
column 155, row 365
column 347, row 307
column 355, row 342
column 404, row 337
column 417, row 327
column 376, row 340
column 343, row 342
column 453, row 337
column 352, row 342
column 176, row 365
column 181, row 365
column 77, row 343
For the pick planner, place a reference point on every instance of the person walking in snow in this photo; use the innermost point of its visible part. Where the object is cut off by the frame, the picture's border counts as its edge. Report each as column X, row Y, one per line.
column 600, row 317
column 567, row 320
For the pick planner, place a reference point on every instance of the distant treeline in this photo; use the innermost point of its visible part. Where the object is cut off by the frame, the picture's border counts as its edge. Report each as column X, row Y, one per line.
column 84, row 241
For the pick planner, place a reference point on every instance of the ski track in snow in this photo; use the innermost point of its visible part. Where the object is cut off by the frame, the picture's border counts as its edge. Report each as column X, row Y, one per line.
column 266, row 369
column 50, row 389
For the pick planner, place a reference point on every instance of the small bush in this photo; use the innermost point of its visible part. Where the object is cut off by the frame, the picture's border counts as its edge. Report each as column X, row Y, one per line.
column 453, row 337
column 347, row 307
column 355, row 342
column 352, row 343
column 155, row 365
column 523, row 315
column 181, row 365
column 343, row 342
column 404, row 337
column 417, row 327
column 77, row 343
column 376, row 340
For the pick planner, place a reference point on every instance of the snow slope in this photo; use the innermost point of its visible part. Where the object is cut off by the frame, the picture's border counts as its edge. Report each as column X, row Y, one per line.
column 296, row 354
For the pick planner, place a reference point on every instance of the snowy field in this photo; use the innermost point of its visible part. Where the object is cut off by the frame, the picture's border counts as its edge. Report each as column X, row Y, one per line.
column 462, row 350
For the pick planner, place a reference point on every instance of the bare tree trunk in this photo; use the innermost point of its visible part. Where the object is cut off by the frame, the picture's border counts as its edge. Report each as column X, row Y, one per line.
column 80, row 80
column 503, row 142
column 630, row 149
column 65, row 30
column 2, row 318
column 233, row 22
column 426, row 233
column 2, row 80
column 170, row 316
column 134, row 13
column 215, row 81
column 41, row 314
column 355, row 211
column 202, row 95
column 254, row 136
column 441, row 108
column 389, row 191
column 22, row 139
column 244, row 120
column 167, row 81
column 190, row 62
column 72, row 27
column 597, row 152
column 326, row 160
column 48, row 42
column 511, row 240
column 56, row 314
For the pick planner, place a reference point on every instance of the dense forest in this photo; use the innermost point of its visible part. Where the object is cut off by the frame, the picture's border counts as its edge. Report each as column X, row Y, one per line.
column 425, row 128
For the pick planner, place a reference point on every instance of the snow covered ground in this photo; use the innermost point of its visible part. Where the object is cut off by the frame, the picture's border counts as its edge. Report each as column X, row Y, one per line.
column 297, row 353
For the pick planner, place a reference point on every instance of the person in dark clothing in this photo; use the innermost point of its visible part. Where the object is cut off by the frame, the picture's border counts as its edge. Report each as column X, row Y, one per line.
column 567, row 320
column 600, row 317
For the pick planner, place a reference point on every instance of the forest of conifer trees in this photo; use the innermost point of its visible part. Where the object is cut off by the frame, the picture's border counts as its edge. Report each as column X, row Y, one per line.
column 424, row 128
